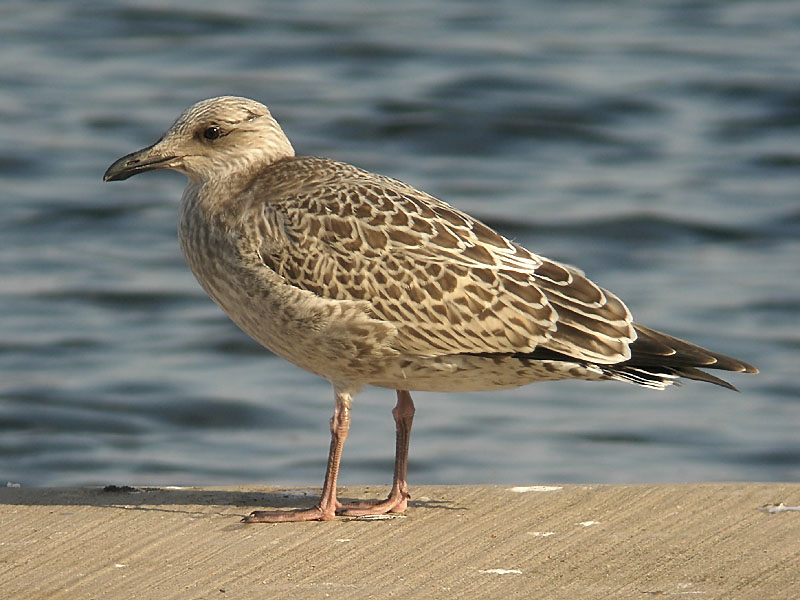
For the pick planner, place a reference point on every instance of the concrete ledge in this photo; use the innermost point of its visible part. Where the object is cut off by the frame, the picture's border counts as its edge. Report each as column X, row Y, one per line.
column 573, row 541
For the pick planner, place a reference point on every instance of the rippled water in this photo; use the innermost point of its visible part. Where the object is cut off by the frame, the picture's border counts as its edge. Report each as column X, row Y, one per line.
column 653, row 144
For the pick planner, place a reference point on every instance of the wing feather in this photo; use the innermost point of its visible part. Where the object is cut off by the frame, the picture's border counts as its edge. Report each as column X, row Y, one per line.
column 449, row 283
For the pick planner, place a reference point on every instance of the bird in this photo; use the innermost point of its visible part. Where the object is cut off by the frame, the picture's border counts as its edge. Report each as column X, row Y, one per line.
column 364, row 280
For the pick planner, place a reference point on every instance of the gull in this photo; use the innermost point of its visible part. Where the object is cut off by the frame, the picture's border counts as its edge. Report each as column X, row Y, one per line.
column 365, row 280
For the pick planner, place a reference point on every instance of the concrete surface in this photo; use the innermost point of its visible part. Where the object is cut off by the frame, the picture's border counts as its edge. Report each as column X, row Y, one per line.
column 574, row 541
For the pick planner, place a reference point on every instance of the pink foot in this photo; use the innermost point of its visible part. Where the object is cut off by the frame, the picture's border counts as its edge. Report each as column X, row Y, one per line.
column 286, row 516
column 395, row 503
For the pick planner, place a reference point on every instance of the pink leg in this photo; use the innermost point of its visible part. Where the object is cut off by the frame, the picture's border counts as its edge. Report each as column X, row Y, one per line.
column 397, row 502
column 325, row 510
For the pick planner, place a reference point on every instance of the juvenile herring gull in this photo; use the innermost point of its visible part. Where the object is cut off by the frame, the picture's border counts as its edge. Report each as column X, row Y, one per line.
column 365, row 280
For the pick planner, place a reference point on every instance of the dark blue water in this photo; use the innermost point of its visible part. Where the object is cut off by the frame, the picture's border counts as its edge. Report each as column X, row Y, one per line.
column 655, row 145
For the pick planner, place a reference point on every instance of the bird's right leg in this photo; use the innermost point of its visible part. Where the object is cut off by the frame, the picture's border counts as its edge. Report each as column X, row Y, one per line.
column 325, row 510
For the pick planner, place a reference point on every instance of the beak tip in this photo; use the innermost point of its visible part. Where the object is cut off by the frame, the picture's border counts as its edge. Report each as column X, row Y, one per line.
column 110, row 175
column 118, row 170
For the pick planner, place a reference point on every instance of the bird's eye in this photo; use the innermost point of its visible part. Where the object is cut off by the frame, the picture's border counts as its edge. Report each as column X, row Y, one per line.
column 211, row 133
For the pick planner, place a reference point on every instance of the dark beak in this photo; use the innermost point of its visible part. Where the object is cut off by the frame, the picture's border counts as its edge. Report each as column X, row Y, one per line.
column 137, row 162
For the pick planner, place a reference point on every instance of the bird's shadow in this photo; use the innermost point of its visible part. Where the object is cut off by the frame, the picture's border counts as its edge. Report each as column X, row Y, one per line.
column 182, row 499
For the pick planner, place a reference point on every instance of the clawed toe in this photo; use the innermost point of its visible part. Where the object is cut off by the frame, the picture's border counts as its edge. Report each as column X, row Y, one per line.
column 393, row 504
column 289, row 516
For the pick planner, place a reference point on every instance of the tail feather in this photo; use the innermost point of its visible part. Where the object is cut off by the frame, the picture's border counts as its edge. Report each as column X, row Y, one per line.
column 660, row 378
column 698, row 375
column 658, row 360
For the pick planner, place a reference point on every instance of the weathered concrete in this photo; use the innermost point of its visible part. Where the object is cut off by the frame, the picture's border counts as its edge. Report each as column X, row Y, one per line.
column 577, row 542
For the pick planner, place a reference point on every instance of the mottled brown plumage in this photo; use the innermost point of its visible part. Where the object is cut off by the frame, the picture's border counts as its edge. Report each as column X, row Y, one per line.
column 365, row 280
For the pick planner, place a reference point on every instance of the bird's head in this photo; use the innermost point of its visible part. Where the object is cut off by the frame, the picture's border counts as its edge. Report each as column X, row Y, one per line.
column 211, row 139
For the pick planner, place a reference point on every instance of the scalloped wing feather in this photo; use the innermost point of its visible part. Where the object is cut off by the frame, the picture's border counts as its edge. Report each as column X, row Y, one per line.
column 449, row 283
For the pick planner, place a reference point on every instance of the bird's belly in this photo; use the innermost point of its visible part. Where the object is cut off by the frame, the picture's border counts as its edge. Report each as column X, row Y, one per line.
column 471, row 373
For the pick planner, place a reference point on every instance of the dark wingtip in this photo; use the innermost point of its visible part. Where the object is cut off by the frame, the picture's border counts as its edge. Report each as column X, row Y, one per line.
column 666, row 350
column 746, row 368
column 726, row 363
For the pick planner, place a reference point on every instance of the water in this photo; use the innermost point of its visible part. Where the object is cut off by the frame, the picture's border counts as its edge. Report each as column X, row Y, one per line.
column 653, row 144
